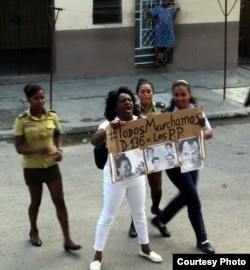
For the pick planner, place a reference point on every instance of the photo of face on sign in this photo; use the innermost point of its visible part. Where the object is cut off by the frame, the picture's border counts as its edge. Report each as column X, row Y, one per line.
column 128, row 164
column 190, row 154
column 161, row 158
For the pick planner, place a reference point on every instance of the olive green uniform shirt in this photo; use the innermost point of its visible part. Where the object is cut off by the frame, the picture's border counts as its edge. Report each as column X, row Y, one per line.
column 37, row 133
column 156, row 108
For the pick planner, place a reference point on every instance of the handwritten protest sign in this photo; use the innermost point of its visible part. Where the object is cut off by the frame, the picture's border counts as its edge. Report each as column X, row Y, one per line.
column 153, row 132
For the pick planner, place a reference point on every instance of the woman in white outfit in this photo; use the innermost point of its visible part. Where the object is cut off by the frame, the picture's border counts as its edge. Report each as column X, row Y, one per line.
column 120, row 107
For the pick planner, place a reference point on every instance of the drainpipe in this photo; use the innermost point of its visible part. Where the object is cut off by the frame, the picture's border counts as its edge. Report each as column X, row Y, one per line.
column 225, row 53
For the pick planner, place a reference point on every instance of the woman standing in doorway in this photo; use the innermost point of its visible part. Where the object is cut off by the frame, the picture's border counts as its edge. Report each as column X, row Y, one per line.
column 164, row 39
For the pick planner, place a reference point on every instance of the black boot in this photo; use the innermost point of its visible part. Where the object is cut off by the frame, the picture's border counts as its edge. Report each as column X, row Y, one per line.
column 132, row 232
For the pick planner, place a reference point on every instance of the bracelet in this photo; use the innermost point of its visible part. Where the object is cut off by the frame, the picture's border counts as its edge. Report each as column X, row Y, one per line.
column 60, row 149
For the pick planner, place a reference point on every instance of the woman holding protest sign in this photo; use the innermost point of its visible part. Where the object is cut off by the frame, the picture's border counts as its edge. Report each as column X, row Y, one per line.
column 186, row 182
column 145, row 93
column 120, row 108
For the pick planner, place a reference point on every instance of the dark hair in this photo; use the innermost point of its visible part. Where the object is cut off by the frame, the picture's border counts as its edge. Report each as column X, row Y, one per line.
column 31, row 89
column 190, row 141
column 175, row 84
column 149, row 148
column 170, row 144
column 142, row 81
column 155, row 158
column 112, row 99
column 120, row 158
column 171, row 155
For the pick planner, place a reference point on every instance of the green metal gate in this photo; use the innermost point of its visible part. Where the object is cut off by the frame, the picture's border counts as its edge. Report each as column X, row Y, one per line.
column 144, row 33
column 24, row 37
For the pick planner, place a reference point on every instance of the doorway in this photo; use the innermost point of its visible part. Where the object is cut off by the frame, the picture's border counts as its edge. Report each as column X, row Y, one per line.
column 244, row 33
column 24, row 37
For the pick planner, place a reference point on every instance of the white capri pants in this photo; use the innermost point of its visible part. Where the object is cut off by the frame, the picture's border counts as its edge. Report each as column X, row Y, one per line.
column 135, row 191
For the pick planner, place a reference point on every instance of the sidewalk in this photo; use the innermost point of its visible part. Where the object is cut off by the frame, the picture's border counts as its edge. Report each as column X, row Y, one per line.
column 80, row 103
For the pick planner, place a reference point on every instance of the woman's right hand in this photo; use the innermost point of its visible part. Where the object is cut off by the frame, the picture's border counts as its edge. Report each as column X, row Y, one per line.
column 44, row 150
column 116, row 123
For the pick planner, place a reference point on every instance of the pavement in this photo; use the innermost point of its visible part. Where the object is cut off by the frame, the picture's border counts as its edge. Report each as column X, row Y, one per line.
column 224, row 187
column 80, row 103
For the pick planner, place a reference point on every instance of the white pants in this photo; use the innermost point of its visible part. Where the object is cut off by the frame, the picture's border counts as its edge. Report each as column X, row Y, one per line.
column 114, row 194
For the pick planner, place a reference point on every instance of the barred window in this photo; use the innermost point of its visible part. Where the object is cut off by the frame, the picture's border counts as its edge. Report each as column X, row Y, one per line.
column 107, row 11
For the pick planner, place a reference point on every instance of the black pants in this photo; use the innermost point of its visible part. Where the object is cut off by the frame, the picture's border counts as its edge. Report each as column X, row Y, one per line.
column 186, row 183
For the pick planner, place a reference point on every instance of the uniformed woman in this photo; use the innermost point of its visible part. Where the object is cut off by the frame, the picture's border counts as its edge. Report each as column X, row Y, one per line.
column 145, row 93
column 186, row 182
column 38, row 139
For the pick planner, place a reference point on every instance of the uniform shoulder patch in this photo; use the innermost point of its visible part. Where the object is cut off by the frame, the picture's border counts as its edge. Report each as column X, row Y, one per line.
column 22, row 115
column 51, row 112
column 160, row 104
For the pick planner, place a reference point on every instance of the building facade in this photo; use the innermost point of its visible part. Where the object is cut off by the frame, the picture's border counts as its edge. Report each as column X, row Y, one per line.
column 96, row 38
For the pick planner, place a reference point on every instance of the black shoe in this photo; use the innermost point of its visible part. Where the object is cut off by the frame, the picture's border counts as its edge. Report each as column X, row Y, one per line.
column 163, row 229
column 132, row 232
column 206, row 248
column 155, row 211
column 35, row 242
column 73, row 247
